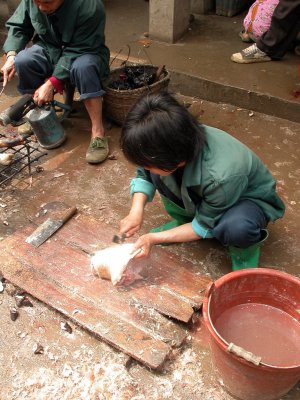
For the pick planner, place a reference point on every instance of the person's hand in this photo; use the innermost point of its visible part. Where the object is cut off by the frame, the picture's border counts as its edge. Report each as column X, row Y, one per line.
column 130, row 224
column 143, row 245
column 8, row 69
column 44, row 94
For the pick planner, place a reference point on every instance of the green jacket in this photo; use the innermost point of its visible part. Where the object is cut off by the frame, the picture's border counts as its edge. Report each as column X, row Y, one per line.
column 76, row 28
column 224, row 173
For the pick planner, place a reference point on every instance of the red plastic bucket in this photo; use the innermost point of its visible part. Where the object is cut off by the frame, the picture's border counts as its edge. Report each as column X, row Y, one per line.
column 243, row 372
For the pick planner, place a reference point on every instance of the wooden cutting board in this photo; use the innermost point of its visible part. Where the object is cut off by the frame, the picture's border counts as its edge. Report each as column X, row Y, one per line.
column 141, row 320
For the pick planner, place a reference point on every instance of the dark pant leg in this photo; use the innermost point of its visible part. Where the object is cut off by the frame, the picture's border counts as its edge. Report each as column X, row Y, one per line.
column 241, row 225
column 32, row 67
column 285, row 25
column 85, row 75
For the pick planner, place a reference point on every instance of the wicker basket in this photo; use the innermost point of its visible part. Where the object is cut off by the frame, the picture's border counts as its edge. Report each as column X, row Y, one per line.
column 117, row 103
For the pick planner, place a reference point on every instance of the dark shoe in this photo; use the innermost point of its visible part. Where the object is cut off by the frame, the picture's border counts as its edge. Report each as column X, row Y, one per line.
column 249, row 55
column 98, row 150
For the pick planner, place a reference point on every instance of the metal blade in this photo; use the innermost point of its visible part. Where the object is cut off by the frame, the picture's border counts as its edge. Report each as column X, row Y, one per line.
column 43, row 232
column 119, row 238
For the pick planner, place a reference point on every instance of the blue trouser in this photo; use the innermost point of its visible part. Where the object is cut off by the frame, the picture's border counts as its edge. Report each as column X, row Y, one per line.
column 240, row 226
column 33, row 67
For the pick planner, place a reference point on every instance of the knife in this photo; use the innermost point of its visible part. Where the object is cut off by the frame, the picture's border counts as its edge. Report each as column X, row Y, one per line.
column 2, row 84
column 119, row 238
column 49, row 227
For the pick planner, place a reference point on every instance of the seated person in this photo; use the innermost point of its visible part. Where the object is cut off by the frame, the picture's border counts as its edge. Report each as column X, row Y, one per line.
column 211, row 184
column 68, row 45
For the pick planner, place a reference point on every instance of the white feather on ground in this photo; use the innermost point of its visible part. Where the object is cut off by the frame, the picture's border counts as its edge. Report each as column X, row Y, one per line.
column 113, row 263
column 6, row 158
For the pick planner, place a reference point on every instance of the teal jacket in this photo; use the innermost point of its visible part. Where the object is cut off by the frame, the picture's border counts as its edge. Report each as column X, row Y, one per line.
column 224, row 173
column 76, row 28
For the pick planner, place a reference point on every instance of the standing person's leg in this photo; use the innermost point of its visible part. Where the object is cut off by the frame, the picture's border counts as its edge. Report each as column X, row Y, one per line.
column 242, row 229
column 85, row 75
column 275, row 42
column 283, row 30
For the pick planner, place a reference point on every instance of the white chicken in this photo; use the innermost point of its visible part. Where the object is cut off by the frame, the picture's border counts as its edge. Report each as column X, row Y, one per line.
column 112, row 263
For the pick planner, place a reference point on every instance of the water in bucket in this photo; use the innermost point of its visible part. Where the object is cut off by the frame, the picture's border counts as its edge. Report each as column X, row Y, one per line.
column 258, row 311
column 263, row 330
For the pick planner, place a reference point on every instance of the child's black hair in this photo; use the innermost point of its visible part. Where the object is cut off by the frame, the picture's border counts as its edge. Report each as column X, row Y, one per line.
column 159, row 132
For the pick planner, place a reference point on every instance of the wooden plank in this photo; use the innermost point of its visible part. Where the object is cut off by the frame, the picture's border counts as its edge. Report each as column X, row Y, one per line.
column 58, row 273
column 171, row 288
column 70, row 270
column 73, row 270
column 126, row 337
column 164, row 302
column 163, row 269
column 180, row 277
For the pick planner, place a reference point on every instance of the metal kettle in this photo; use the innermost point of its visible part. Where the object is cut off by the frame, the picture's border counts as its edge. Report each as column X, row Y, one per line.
column 46, row 125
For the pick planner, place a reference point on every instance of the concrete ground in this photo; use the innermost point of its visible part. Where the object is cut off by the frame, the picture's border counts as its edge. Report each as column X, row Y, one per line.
column 200, row 61
column 77, row 365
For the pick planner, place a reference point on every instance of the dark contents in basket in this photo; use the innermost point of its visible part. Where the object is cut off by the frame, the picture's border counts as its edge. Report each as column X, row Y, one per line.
column 133, row 78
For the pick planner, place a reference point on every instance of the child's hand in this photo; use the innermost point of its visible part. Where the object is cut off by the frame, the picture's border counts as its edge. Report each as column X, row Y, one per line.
column 143, row 246
column 130, row 224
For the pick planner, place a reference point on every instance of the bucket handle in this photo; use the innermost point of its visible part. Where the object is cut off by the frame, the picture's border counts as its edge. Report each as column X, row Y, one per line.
column 246, row 355
column 209, row 289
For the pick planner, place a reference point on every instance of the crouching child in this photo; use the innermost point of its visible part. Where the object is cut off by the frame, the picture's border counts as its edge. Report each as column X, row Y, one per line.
column 211, row 184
